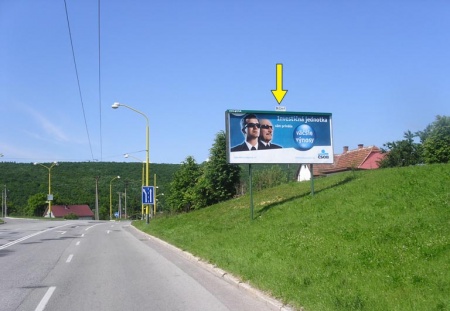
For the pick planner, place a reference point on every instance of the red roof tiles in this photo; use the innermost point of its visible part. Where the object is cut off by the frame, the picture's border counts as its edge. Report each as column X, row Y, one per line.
column 361, row 158
column 59, row 211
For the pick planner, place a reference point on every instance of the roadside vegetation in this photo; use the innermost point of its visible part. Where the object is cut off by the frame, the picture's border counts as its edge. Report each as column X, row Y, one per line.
column 181, row 187
column 75, row 183
column 372, row 240
column 433, row 146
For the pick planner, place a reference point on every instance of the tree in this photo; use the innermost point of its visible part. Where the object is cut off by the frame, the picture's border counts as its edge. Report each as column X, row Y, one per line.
column 402, row 152
column 436, row 141
column 220, row 178
column 36, row 205
column 269, row 177
column 182, row 193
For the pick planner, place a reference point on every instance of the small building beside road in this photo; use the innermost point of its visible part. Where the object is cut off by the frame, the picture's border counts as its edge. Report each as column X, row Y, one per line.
column 60, row 211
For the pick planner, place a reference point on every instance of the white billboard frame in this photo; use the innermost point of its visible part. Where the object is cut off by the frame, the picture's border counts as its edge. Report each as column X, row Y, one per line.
column 296, row 137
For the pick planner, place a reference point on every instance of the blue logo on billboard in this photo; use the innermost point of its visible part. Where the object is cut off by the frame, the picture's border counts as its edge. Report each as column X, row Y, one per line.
column 323, row 155
column 304, row 137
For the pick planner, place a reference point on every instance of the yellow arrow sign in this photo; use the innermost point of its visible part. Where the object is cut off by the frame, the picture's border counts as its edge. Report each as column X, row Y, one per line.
column 279, row 93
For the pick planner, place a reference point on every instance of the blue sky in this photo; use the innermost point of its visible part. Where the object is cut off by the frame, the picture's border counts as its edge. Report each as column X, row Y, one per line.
column 380, row 67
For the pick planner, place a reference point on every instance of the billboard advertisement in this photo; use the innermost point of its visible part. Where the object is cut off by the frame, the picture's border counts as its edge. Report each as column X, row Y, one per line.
column 278, row 137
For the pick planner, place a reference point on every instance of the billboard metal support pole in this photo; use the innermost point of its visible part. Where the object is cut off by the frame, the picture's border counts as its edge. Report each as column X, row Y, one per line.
column 251, row 190
column 312, row 179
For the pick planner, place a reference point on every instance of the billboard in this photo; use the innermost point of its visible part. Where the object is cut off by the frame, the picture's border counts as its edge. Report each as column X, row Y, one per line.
column 278, row 137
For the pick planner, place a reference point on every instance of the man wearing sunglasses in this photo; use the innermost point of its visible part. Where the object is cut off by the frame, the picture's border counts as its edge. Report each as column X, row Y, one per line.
column 266, row 135
column 250, row 128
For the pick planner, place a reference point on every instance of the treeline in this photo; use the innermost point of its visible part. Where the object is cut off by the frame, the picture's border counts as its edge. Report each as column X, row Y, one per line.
column 429, row 146
column 26, row 185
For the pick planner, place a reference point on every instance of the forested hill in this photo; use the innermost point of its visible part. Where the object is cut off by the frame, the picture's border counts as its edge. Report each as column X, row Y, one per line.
column 74, row 183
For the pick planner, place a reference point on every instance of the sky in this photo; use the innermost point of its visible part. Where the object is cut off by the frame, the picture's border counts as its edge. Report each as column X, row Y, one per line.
column 380, row 68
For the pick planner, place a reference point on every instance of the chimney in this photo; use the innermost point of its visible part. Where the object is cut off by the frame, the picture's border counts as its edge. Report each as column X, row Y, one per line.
column 360, row 146
column 345, row 149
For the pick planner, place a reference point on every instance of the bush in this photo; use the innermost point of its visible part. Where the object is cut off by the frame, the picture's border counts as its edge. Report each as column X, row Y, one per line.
column 71, row 216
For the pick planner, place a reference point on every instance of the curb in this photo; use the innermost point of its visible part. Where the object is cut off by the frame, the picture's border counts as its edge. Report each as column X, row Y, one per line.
column 229, row 278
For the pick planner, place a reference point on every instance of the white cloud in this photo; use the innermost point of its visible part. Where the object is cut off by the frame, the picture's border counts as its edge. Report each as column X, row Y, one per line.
column 48, row 126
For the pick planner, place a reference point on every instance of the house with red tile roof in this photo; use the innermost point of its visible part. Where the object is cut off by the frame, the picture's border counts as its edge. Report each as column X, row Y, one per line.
column 59, row 211
column 362, row 158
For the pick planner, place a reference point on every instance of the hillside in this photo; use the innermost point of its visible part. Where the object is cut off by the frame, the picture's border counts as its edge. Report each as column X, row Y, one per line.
column 74, row 182
column 372, row 240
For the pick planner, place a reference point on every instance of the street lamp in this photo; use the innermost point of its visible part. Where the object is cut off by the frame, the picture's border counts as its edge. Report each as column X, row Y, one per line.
column 49, row 196
column 126, row 155
column 110, row 196
column 147, row 142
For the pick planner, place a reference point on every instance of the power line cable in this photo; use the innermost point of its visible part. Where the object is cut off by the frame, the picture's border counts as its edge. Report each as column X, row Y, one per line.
column 100, row 83
column 78, row 79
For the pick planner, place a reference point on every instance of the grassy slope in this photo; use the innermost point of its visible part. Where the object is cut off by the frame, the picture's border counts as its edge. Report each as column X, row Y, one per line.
column 374, row 240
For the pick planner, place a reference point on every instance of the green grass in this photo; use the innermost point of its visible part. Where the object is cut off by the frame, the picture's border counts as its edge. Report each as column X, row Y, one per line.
column 372, row 240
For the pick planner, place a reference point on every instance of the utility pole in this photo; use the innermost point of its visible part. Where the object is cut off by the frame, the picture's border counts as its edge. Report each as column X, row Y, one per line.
column 96, row 197
column 126, row 184
column 120, row 205
column 5, row 206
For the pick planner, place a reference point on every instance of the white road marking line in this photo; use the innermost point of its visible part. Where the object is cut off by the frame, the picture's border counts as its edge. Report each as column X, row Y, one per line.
column 29, row 236
column 45, row 299
column 69, row 259
column 82, row 235
column 107, row 231
column 78, row 243
column 91, row 227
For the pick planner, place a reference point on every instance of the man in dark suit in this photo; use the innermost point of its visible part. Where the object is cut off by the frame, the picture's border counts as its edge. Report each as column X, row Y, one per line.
column 250, row 128
column 266, row 135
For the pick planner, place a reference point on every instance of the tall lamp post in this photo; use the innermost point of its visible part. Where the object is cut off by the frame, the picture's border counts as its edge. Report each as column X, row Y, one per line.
column 126, row 155
column 147, row 144
column 49, row 196
column 110, row 196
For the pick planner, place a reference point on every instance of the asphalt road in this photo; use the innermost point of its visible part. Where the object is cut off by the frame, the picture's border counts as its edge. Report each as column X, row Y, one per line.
column 92, row 265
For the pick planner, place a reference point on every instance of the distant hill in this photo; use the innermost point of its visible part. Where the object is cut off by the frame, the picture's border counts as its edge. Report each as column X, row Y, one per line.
column 74, row 182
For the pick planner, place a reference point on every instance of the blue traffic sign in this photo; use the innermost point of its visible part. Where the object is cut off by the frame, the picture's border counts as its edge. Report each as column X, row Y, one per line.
column 147, row 194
